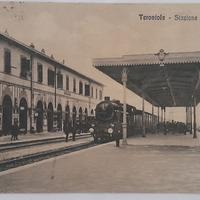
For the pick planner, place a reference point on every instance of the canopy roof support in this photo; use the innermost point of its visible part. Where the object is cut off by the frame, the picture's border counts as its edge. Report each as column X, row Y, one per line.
column 163, row 79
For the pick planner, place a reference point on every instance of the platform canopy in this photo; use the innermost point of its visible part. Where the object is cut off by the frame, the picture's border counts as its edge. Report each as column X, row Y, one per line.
column 164, row 79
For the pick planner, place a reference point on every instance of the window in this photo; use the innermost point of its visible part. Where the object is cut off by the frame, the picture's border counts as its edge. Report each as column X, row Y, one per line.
column 67, row 82
column 40, row 73
column 74, row 85
column 80, row 87
column 87, row 90
column 25, row 67
column 51, row 77
column 100, row 94
column 7, row 61
column 96, row 94
column 92, row 94
column 60, row 81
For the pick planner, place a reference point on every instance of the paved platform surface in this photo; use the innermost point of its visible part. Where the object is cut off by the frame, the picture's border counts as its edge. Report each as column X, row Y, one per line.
column 39, row 136
column 155, row 164
column 41, row 148
column 31, row 136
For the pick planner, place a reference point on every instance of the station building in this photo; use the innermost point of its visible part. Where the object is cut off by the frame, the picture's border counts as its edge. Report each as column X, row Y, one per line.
column 39, row 91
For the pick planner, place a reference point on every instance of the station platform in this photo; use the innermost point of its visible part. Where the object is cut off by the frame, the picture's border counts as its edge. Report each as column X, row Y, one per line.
column 155, row 164
column 31, row 137
column 170, row 139
column 43, row 137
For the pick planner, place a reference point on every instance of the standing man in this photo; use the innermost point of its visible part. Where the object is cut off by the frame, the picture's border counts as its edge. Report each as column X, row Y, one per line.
column 66, row 129
column 118, row 133
column 117, row 139
column 74, row 130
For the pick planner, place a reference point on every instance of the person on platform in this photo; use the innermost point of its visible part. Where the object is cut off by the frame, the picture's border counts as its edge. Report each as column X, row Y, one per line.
column 74, row 128
column 117, row 133
column 14, row 130
column 66, row 129
column 117, row 138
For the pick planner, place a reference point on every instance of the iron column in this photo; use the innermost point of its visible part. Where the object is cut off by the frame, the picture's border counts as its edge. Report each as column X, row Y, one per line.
column 55, row 85
column 195, row 133
column 152, row 119
column 143, row 120
column 124, row 124
column 31, row 109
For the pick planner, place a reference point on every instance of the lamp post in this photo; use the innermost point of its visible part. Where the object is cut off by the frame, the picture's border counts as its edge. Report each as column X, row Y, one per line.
column 124, row 124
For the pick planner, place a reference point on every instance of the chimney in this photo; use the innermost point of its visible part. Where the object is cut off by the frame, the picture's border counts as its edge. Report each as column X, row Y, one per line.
column 32, row 45
column 52, row 56
column 107, row 98
column 6, row 32
column 43, row 51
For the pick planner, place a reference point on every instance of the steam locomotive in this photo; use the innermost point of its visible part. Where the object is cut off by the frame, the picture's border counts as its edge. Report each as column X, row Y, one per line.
column 108, row 120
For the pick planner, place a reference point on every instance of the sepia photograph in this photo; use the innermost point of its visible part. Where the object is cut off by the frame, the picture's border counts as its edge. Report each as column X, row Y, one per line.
column 99, row 98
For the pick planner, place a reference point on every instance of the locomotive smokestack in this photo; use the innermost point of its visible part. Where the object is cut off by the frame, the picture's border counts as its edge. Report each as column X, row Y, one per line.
column 107, row 98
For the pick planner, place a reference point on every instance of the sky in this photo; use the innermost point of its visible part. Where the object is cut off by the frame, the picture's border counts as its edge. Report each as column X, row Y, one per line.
column 78, row 33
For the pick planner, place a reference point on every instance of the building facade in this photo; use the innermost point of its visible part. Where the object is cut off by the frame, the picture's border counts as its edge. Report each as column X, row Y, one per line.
column 41, row 92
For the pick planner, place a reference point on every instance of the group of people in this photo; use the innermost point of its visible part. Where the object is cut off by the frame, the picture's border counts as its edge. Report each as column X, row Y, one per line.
column 14, row 130
column 69, row 127
column 173, row 127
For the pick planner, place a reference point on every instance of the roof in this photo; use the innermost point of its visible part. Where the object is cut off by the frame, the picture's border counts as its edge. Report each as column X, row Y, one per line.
column 149, row 59
column 43, row 56
column 164, row 79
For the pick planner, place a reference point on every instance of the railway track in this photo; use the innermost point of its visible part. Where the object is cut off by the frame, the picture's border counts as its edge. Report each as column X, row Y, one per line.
column 20, row 145
column 35, row 157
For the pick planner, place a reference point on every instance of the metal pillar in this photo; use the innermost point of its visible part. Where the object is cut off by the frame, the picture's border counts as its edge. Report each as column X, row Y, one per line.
column 161, row 115
column 32, row 96
column 187, row 117
column 194, row 106
column 158, row 120
column 152, row 118
column 55, row 93
column 143, row 120
column 191, row 119
column 164, row 115
column 124, row 124
column 164, row 122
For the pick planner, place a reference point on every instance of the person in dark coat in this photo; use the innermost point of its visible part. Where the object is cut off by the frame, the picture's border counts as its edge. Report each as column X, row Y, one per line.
column 74, row 128
column 14, row 131
column 117, row 132
column 66, row 129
